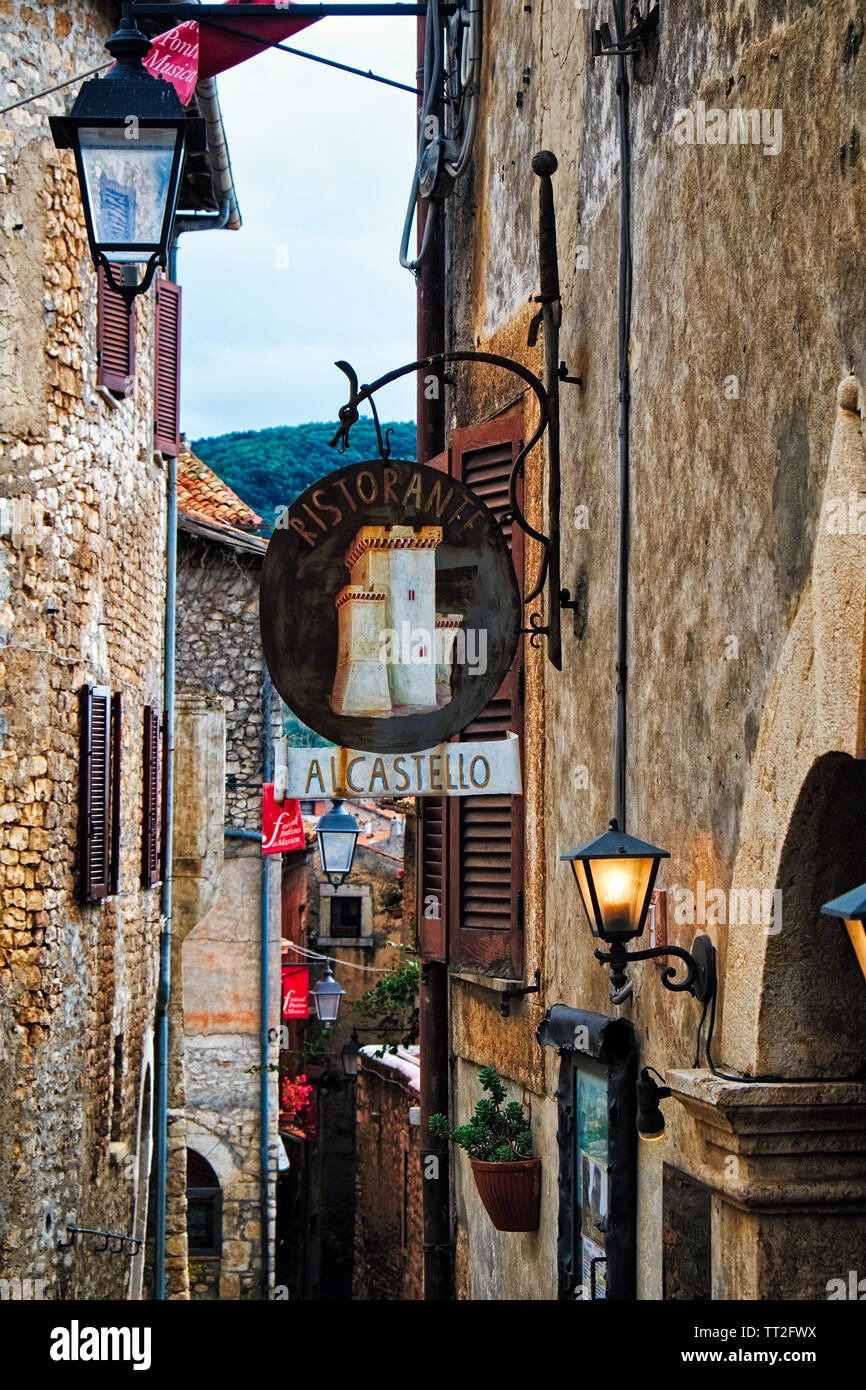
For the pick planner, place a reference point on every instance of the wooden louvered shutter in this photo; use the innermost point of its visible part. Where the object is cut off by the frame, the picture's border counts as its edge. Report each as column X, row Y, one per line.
column 150, row 810
column 432, row 860
column 166, row 376
column 486, row 832
column 163, row 814
column 115, row 337
column 116, row 746
column 95, row 793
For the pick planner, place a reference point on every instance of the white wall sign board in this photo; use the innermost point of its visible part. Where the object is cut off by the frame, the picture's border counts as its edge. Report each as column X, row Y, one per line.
column 450, row 769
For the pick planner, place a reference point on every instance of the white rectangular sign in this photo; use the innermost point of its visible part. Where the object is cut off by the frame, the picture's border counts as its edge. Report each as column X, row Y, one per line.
column 451, row 769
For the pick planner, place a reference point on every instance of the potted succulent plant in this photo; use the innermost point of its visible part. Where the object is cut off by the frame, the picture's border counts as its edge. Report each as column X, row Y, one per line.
column 498, row 1141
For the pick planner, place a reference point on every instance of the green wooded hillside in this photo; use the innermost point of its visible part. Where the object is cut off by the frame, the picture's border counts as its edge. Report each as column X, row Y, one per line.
column 269, row 468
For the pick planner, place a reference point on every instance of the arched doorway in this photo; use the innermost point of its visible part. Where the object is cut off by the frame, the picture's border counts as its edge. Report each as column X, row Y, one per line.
column 203, row 1226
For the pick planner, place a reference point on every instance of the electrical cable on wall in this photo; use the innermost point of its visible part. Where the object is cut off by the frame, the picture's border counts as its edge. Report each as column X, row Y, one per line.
column 317, row 956
column 444, row 155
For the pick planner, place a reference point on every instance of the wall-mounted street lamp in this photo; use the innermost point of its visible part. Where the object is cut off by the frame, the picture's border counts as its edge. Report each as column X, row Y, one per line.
column 350, row 1054
column 327, row 996
column 337, row 833
column 615, row 874
column 851, row 907
column 130, row 135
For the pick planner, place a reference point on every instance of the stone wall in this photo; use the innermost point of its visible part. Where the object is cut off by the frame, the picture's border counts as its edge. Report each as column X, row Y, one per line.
column 747, row 314
column 81, row 601
column 389, row 1257
column 221, row 993
column 219, row 659
column 219, row 651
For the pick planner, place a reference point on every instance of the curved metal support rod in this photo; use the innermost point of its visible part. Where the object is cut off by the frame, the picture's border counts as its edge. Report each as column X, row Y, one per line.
column 669, row 973
column 700, row 977
column 349, row 416
column 129, row 292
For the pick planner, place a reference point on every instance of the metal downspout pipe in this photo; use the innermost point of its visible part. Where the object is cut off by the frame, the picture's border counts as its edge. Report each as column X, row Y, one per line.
column 164, row 985
column 433, row 991
column 264, row 989
column 233, row 833
column 227, row 214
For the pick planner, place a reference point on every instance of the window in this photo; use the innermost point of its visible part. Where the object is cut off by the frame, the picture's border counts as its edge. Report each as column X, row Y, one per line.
column 150, row 823
column 471, row 848
column 412, row 594
column 117, row 1091
column 308, row 808
column 94, row 832
column 115, row 337
column 345, row 916
column 204, row 1207
column 116, row 757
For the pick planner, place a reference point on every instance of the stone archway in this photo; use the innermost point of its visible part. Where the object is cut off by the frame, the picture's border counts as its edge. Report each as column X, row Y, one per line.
column 812, row 1010
column 782, row 988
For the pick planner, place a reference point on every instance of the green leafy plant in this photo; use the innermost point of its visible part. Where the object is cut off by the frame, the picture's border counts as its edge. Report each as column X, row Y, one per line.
column 391, row 897
column 393, row 1003
column 314, row 1050
column 497, row 1133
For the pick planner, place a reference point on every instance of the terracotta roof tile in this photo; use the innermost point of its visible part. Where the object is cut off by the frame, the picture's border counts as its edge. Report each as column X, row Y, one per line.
column 205, row 497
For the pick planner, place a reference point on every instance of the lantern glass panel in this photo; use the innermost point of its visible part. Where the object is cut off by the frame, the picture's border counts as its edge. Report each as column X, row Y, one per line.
column 621, row 887
column 336, row 850
column 856, row 930
column 129, row 186
column 327, row 1004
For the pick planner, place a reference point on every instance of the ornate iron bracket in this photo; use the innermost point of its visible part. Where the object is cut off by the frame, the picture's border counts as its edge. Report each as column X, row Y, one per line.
column 632, row 42
column 106, row 1237
column 700, row 977
column 518, row 992
column 547, row 394
column 129, row 288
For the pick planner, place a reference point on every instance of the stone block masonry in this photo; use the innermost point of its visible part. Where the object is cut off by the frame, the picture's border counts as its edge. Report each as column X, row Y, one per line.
column 81, row 602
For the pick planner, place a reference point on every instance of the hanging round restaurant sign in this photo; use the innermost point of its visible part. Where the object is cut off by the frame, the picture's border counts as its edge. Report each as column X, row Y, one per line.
column 389, row 607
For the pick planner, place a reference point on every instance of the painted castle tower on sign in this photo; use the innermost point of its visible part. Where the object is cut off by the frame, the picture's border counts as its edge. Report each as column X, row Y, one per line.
column 390, row 657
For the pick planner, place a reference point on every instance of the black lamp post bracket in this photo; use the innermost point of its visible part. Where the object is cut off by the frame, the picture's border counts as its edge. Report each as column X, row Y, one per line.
column 700, row 977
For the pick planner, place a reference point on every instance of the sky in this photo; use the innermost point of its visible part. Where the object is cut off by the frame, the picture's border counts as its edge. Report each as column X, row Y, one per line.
column 323, row 164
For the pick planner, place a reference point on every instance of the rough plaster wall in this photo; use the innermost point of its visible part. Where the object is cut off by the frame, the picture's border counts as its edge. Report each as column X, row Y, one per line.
column 386, row 1267
column 726, row 492
column 83, row 603
column 221, row 994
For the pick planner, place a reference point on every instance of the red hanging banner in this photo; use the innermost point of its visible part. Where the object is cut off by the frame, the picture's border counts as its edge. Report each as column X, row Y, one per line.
column 194, row 51
column 282, row 827
column 296, row 992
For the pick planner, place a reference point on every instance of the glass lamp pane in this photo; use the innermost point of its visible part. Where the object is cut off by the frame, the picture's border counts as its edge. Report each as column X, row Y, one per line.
column 579, row 867
column 128, row 186
column 327, row 1005
column 335, row 850
column 857, row 932
column 621, row 888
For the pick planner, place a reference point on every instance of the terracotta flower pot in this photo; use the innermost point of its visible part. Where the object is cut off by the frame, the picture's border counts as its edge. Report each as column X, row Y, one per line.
column 511, row 1192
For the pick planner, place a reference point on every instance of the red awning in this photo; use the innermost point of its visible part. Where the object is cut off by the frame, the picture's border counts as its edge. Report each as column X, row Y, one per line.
column 194, row 51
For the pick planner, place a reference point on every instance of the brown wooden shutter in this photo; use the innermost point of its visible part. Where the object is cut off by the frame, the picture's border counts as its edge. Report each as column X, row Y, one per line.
column 486, row 833
column 150, row 810
column 163, row 810
column 116, row 746
column 93, row 850
column 166, row 378
column 432, row 860
column 115, row 337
